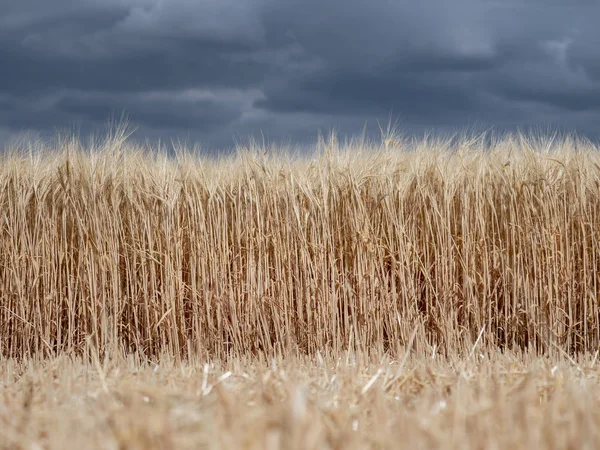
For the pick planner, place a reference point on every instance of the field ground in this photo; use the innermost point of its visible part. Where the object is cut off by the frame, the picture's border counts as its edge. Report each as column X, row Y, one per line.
column 409, row 295
column 502, row 401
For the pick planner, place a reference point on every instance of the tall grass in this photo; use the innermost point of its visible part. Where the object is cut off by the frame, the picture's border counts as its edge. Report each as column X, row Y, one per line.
column 358, row 246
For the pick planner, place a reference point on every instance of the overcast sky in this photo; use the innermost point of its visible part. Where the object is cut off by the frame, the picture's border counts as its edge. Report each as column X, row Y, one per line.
column 217, row 70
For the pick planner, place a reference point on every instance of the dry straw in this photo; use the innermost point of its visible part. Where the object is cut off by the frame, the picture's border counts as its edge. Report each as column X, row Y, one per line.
column 355, row 247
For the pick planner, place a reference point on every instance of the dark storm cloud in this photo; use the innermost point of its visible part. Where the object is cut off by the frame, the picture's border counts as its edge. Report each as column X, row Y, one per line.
column 107, row 49
column 211, row 69
column 188, row 65
column 17, row 113
column 436, row 88
column 468, row 59
column 153, row 111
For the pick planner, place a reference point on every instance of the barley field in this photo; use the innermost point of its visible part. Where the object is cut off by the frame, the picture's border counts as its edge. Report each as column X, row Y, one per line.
column 432, row 293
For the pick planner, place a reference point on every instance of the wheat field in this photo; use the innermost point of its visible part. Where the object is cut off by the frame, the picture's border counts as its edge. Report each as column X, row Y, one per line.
column 280, row 299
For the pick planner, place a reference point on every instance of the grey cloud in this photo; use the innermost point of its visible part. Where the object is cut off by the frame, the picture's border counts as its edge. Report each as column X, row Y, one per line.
column 150, row 111
column 17, row 113
column 343, row 93
column 297, row 64
column 560, row 89
column 489, row 64
column 112, row 48
column 225, row 20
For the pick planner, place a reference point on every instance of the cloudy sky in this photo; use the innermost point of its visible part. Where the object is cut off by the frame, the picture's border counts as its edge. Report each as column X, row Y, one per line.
column 211, row 71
